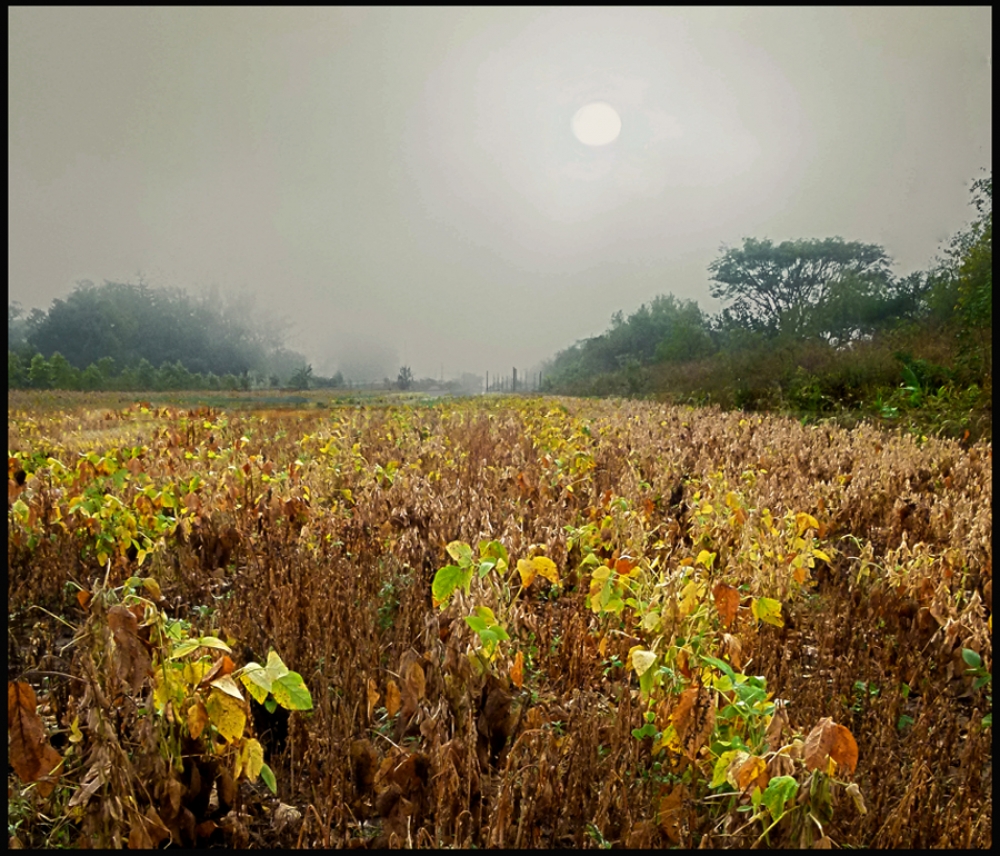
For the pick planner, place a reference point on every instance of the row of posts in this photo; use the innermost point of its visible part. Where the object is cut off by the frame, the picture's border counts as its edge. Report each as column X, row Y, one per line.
column 510, row 383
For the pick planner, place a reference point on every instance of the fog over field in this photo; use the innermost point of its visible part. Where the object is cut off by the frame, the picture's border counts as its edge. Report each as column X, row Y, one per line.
column 419, row 186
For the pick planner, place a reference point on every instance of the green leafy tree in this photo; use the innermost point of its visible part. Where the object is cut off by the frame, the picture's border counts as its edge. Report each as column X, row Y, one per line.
column 405, row 378
column 40, row 373
column 91, row 377
column 108, row 370
column 301, row 378
column 776, row 289
column 17, row 372
column 64, row 376
column 972, row 251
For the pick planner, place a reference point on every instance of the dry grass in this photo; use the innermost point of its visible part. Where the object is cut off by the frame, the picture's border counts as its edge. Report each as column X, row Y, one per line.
column 318, row 533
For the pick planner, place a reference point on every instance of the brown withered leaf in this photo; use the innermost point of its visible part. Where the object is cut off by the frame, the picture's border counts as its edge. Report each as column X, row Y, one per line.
column 778, row 723
column 373, row 697
column 683, row 665
column 733, row 649
column 197, row 719
column 393, row 698
column 205, row 829
column 226, row 789
column 671, row 815
column 155, row 828
column 414, row 682
column 83, row 598
column 364, row 765
column 753, row 771
column 138, row 838
column 780, row 765
column 818, row 744
column 31, row 754
column 132, row 661
column 517, row 670
column 727, row 602
column 220, row 668
column 845, row 748
column 694, row 718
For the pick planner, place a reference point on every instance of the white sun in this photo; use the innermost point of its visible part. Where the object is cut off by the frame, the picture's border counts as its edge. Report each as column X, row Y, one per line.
column 597, row 124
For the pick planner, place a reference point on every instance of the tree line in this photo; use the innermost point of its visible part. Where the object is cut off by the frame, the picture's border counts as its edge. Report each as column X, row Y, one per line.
column 808, row 325
column 135, row 337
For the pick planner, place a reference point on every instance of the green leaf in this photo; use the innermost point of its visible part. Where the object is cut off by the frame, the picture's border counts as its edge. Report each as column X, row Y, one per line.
column 268, row 776
column 447, row 580
column 725, row 668
column 184, row 648
column 290, row 692
column 477, row 624
column 779, row 791
column 275, row 667
column 460, row 552
column 270, row 705
column 972, row 658
column 257, row 681
column 493, row 550
column 646, row 681
column 648, row 730
column 721, row 766
column 489, row 637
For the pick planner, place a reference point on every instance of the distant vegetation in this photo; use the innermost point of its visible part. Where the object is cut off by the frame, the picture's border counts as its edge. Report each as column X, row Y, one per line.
column 134, row 337
column 821, row 329
column 817, row 328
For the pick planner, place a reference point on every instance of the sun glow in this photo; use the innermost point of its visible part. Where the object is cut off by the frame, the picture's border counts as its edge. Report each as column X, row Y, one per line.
column 597, row 124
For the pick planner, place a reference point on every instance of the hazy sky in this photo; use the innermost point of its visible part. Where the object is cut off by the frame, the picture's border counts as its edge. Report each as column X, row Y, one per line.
column 409, row 177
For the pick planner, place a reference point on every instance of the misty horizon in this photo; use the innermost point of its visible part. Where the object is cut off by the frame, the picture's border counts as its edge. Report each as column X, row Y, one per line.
column 412, row 186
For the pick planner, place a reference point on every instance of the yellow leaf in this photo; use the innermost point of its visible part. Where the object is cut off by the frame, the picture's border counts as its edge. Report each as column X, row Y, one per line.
column 689, row 597
column 805, row 521
column 526, row 568
column 252, row 758
column 538, row 566
column 227, row 715
column 167, row 687
column 819, row 554
column 228, row 686
column 194, row 672
column 642, row 660
column 767, row 610
column 602, row 646
column 547, row 568
column 855, row 794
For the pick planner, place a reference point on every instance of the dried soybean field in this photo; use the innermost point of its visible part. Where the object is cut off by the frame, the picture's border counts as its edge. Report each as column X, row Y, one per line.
column 493, row 622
